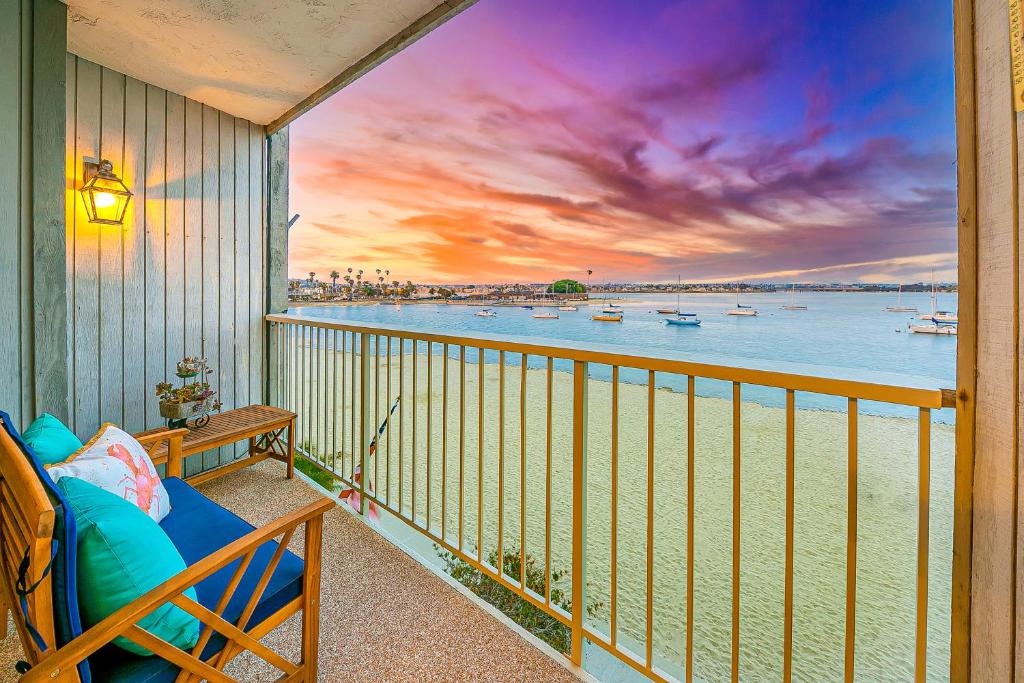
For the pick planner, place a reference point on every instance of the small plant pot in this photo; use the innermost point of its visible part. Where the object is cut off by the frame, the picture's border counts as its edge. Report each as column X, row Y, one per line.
column 183, row 411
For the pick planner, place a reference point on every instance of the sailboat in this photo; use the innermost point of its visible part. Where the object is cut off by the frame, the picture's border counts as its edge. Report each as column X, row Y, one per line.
column 947, row 325
column 741, row 310
column 546, row 316
column 791, row 306
column 937, row 327
column 486, row 313
column 566, row 306
column 942, row 316
column 899, row 307
column 672, row 311
column 607, row 317
column 682, row 319
column 936, row 315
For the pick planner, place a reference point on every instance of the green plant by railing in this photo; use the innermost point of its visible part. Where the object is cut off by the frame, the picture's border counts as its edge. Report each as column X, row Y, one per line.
column 536, row 621
column 303, row 464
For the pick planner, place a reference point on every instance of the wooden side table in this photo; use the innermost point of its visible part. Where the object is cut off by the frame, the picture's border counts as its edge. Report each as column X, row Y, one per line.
column 269, row 430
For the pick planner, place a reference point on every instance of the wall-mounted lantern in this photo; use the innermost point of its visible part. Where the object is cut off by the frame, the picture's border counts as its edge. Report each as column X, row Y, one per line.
column 106, row 197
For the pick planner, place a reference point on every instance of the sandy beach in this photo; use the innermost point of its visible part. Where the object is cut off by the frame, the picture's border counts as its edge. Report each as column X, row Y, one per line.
column 887, row 501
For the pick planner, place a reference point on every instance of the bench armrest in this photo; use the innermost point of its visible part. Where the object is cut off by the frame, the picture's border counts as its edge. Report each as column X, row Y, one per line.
column 123, row 622
column 173, row 437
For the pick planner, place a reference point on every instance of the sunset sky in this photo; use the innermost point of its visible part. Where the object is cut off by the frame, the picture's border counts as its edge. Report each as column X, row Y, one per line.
column 528, row 140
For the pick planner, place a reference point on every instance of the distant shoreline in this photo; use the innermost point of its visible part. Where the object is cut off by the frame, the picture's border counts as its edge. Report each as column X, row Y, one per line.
column 597, row 298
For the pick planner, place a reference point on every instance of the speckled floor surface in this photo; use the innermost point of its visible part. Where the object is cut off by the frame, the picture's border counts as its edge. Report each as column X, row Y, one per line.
column 384, row 616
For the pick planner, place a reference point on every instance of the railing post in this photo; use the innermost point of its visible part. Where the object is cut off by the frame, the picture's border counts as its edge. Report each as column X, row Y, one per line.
column 579, row 506
column 365, row 428
column 273, row 364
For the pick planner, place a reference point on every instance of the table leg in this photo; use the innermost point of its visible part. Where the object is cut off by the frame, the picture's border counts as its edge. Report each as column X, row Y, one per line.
column 252, row 446
column 291, row 448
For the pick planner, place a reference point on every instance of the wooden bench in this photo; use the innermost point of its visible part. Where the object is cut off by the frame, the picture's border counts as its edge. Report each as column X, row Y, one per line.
column 246, row 581
column 269, row 431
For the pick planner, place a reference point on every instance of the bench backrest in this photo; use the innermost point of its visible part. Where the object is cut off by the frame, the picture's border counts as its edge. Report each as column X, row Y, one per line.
column 27, row 532
column 35, row 525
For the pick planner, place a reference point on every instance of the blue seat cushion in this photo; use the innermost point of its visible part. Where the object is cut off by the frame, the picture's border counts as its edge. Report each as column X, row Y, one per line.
column 198, row 527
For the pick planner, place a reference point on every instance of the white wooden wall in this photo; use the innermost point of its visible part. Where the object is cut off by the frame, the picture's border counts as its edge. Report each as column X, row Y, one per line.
column 185, row 275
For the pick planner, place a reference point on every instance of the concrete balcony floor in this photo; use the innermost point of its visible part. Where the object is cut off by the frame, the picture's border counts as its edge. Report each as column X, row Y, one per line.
column 384, row 616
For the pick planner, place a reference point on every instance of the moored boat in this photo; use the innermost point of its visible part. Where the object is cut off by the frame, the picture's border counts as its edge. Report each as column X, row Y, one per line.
column 937, row 316
column 607, row 317
column 742, row 309
column 899, row 307
column 937, row 327
column 486, row 313
column 612, row 308
column 940, row 316
column 792, row 305
column 567, row 308
column 546, row 316
column 684, row 320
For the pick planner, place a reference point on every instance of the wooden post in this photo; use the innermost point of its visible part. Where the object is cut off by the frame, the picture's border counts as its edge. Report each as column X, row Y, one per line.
column 49, row 278
column 311, row 598
column 987, row 618
column 33, row 299
column 277, row 255
column 967, row 346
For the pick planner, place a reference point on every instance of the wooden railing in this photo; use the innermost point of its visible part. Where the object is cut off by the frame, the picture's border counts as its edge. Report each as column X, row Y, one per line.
column 481, row 426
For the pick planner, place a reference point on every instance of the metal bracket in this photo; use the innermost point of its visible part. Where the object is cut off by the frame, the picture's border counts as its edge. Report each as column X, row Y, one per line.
column 90, row 167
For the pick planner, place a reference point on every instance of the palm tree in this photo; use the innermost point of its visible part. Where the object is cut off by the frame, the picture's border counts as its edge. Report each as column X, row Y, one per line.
column 359, row 279
column 334, row 279
column 312, row 278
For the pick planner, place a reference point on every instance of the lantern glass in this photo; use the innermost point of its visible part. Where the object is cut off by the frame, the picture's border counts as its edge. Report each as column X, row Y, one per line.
column 105, row 196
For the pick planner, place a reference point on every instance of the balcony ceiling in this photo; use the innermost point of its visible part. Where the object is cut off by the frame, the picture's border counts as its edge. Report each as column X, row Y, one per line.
column 251, row 58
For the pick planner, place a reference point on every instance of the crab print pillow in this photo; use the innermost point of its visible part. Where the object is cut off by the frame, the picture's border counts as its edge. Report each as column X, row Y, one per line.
column 114, row 461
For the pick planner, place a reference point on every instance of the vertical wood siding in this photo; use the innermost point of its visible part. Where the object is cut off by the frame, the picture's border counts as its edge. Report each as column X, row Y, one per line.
column 33, row 346
column 13, row 386
column 184, row 276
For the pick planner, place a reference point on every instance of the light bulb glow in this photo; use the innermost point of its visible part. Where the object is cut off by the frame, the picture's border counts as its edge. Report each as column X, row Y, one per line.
column 104, row 200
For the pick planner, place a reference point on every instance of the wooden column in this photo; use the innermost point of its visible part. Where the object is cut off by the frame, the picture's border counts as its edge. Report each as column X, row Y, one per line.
column 277, row 247
column 33, row 301
column 49, row 267
column 989, row 351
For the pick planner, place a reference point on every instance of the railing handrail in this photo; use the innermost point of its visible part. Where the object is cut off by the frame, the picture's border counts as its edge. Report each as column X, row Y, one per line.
column 868, row 391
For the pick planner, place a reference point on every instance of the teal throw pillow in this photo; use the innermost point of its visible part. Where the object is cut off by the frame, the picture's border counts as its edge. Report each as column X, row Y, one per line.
column 123, row 554
column 51, row 441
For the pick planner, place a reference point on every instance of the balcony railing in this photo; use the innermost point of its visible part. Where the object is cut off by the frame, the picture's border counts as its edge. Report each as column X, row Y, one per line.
column 698, row 534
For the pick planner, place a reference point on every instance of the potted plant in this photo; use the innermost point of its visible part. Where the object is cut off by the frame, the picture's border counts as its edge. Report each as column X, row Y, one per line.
column 192, row 399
